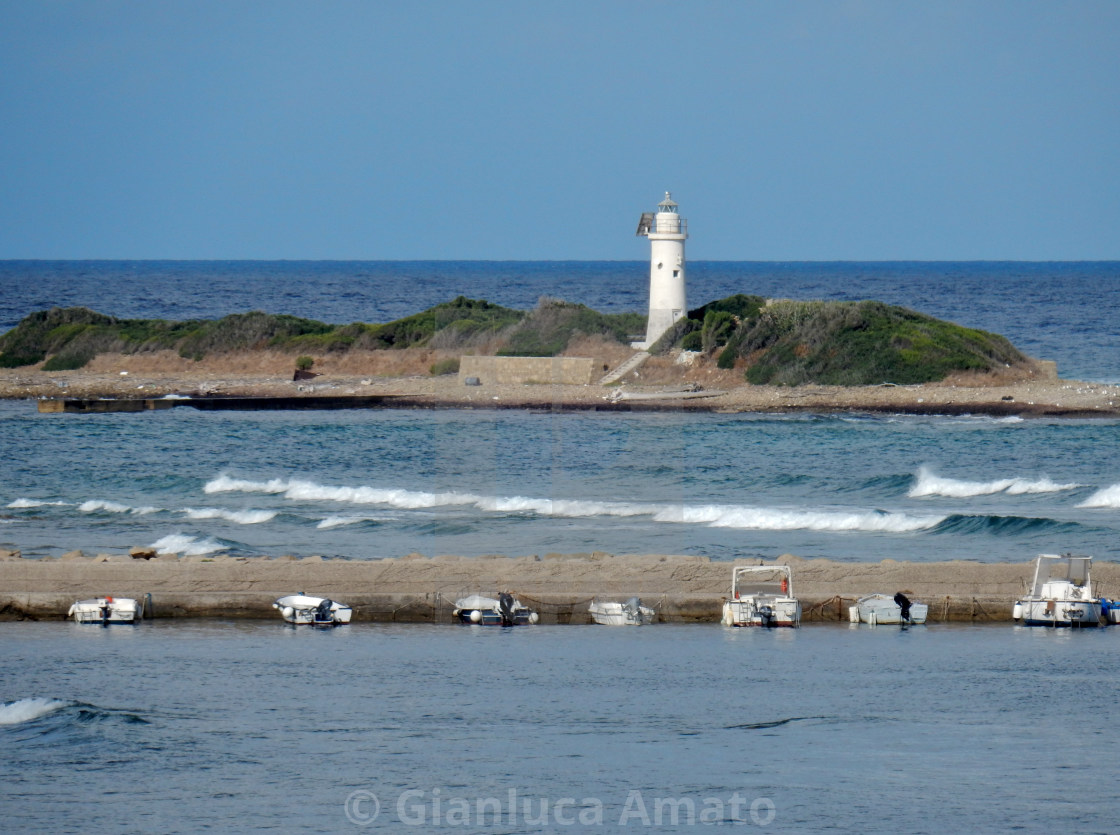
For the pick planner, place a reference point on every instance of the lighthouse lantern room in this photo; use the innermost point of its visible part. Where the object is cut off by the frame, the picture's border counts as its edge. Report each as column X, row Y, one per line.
column 667, row 232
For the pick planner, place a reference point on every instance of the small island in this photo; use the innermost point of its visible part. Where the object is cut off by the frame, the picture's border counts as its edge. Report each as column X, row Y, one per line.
column 742, row 353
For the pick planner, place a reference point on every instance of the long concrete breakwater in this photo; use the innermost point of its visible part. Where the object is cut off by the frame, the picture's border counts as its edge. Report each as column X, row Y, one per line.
column 419, row 589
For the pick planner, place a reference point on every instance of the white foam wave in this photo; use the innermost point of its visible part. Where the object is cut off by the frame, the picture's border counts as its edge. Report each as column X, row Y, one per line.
column 405, row 499
column 178, row 543
column 241, row 517
column 341, row 521
column 24, row 503
column 927, row 484
column 772, row 519
column 1106, row 497
column 95, row 505
column 564, row 507
column 225, row 484
column 24, row 710
column 720, row 516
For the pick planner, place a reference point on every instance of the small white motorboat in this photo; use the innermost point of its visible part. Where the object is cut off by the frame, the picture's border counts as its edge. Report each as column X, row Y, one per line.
column 316, row 611
column 106, row 610
column 629, row 613
column 762, row 595
column 880, row 608
column 503, row 610
column 1061, row 594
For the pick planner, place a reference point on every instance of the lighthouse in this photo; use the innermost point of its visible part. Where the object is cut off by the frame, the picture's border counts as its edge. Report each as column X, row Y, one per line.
column 667, row 232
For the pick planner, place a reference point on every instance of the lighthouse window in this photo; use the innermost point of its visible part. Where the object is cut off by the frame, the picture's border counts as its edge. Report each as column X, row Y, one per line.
column 676, row 273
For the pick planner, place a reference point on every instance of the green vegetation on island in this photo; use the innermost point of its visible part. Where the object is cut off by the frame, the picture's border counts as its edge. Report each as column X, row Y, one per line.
column 784, row 342
column 777, row 342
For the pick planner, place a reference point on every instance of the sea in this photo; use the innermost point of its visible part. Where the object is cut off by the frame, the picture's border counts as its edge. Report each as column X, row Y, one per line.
column 176, row 726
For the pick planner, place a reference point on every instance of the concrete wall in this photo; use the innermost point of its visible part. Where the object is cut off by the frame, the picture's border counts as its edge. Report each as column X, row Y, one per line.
column 437, row 608
column 572, row 371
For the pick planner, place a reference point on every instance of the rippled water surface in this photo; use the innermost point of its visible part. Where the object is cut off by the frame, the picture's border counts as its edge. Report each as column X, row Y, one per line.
column 184, row 726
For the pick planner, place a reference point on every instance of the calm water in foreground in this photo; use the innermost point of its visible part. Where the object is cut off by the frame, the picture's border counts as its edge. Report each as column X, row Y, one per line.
column 189, row 726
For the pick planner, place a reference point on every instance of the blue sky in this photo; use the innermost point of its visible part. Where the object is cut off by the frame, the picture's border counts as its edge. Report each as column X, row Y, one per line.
column 846, row 130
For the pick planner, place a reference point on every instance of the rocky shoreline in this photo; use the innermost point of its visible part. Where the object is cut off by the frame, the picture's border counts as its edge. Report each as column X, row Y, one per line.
column 416, row 588
column 1035, row 397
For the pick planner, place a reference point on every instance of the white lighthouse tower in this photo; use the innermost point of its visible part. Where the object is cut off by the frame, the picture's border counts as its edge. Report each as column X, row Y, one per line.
column 667, row 232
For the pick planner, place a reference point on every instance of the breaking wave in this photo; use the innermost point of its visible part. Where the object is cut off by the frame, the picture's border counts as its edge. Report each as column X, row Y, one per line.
column 103, row 506
column 927, row 484
column 716, row 516
column 100, row 505
column 241, row 517
column 26, row 710
column 1106, row 497
column 1004, row 525
column 25, row 503
column 191, row 546
column 769, row 519
column 342, row 521
column 225, row 484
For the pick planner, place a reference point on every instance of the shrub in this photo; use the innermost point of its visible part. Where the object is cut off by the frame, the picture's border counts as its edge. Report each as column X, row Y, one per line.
column 446, row 366
column 727, row 357
column 67, row 361
column 303, row 363
column 693, row 341
column 547, row 330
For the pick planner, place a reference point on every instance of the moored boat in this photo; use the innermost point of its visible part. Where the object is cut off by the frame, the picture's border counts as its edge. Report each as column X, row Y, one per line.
column 503, row 610
column 628, row 613
column 106, row 610
column 881, row 608
column 761, row 596
column 315, row 611
column 1061, row 594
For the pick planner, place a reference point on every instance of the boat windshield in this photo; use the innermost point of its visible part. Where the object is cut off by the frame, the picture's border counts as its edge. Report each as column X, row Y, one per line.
column 773, row 582
column 1074, row 569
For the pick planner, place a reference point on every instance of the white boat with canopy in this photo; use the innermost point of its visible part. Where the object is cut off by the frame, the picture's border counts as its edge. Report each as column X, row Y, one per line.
column 762, row 595
column 1061, row 594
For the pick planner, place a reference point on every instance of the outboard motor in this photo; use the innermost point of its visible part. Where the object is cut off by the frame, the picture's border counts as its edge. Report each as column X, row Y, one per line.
column 766, row 614
column 505, row 608
column 323, row 612
column 904, row 604
column 633, row 608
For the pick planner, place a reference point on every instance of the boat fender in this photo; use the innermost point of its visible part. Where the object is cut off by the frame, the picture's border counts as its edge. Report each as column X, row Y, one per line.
column 534, row 618
column 1017, row 611
column 785, row 586
column 475, row 616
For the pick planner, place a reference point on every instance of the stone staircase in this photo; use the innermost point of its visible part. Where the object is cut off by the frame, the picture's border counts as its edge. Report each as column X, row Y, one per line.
column 616, row 374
